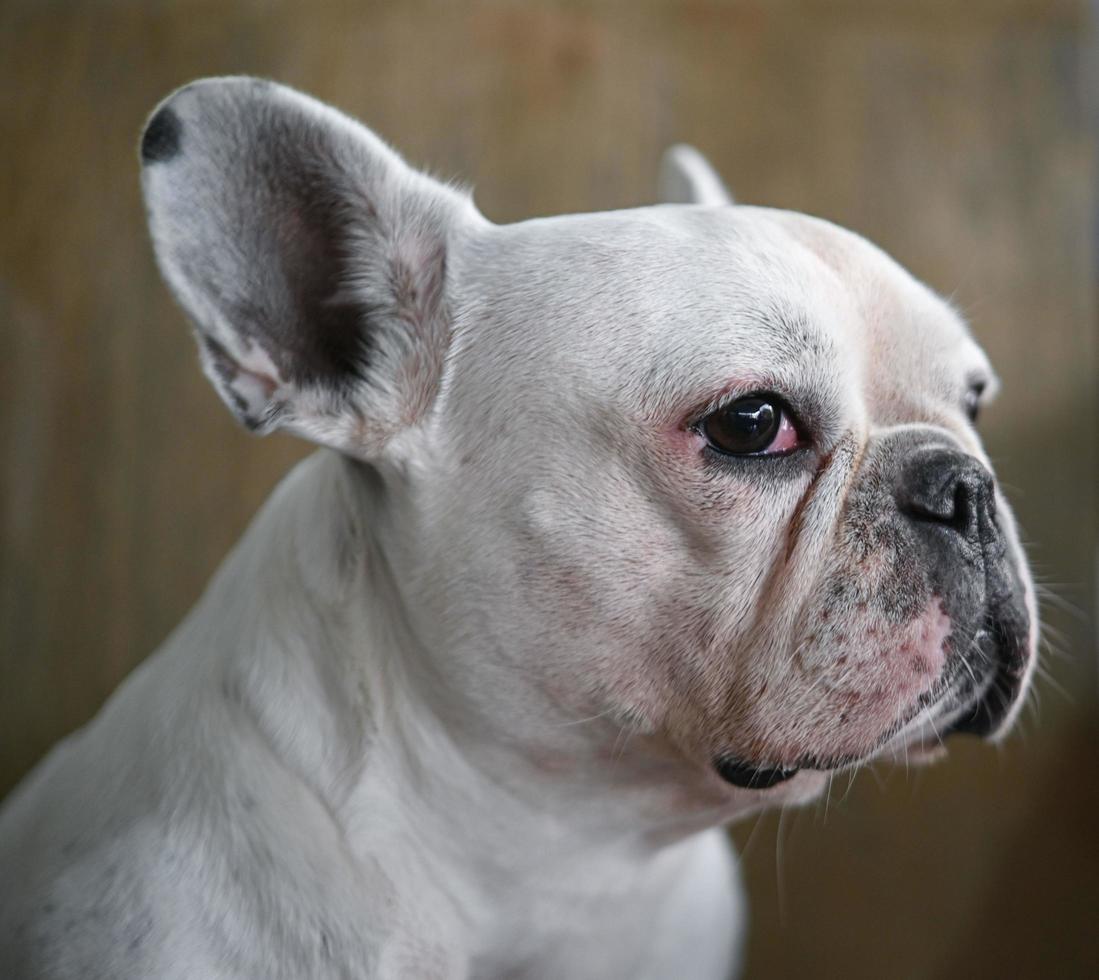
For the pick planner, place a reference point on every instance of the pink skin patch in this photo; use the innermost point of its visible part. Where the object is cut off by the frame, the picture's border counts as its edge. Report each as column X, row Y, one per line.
column 882, row 689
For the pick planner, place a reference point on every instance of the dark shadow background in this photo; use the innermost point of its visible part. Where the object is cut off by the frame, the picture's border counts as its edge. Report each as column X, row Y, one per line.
column 959, row 136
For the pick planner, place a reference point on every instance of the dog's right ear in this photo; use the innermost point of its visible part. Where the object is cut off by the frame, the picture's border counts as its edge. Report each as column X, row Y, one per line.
column 686, row 177
column 311, row 258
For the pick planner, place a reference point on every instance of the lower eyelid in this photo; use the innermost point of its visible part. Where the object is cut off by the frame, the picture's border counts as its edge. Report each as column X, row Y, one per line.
column 787, row 434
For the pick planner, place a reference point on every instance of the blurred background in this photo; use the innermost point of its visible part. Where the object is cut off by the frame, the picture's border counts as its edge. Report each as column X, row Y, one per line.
column 960, row 136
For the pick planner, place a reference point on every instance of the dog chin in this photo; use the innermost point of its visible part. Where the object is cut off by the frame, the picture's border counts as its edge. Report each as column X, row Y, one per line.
column 923, row 740
column 805, row 787
column 918, row 742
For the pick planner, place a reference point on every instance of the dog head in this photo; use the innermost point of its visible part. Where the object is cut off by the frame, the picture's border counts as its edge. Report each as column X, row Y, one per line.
column 706, row 472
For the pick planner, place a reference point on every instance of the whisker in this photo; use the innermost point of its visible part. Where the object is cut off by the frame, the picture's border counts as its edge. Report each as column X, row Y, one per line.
column 853, row 775
column 1048, row 597
column 779, row 891
column 828, row 795
column 584, row 721
column 757, row 820
column 1041, row 671
column 934, row 730
column 873, row 770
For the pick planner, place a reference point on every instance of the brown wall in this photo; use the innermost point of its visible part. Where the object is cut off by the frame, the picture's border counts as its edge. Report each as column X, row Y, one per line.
column 954, row 134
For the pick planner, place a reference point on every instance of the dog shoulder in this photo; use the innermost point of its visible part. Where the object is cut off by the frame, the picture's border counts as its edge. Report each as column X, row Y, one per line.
column 226, row 868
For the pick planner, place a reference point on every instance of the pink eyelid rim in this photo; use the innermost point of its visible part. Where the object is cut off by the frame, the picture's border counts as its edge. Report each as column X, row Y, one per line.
column 786, row 439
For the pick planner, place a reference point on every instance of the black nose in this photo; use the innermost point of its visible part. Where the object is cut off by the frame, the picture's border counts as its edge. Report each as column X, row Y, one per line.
column 949, row 488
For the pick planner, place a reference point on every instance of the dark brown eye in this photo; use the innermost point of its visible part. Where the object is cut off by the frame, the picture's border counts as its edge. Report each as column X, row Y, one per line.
column 972, row 401
column 756, row 425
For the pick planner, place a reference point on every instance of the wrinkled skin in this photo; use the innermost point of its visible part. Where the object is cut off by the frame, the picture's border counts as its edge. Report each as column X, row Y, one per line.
column 787, row 610
column 476, row 691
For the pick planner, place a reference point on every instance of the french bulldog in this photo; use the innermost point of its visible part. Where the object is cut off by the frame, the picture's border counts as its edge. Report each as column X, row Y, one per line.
column 625, row 525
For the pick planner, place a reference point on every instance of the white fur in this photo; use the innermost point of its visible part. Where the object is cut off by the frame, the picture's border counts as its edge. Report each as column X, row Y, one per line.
column 450, row 709
column 686, row 177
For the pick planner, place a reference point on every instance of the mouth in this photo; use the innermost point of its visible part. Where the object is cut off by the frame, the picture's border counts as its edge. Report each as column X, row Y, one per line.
column 748, row 775
column 979, row 704
column 992, row 695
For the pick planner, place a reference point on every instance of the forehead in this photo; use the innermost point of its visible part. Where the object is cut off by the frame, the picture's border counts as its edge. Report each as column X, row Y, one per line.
column 675, row 297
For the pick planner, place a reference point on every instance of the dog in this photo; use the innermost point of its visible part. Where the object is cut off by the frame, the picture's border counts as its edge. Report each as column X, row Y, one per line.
column 625, row 525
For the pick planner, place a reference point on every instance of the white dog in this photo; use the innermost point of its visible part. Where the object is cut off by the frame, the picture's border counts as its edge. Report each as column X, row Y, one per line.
column 628, row 524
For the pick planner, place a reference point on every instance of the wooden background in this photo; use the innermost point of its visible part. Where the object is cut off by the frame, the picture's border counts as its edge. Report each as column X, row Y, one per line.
column 957, row 135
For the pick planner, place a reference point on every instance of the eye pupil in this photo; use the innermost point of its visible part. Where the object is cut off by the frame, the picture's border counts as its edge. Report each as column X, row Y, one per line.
column 747, row 426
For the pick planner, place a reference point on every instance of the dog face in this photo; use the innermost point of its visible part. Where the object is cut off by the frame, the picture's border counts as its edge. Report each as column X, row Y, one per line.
column 742, row 484
column 709, row 473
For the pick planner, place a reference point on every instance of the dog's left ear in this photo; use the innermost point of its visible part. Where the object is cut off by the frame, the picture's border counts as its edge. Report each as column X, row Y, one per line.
column 311, row 259
column 686, row 177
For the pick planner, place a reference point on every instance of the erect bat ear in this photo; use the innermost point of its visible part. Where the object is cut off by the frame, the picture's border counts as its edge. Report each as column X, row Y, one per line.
column 686, row 177
column 311, row 258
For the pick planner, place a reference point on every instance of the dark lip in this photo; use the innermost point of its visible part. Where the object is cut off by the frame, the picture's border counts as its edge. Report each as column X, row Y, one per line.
column 999, row 687
column 986, row 715
column 747, row 775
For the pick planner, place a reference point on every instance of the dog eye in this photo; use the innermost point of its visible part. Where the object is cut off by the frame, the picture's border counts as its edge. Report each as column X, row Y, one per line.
column 757, row 425
column 972, row 401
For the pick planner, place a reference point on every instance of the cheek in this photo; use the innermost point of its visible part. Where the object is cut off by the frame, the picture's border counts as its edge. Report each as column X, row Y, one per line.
column 865, row 643
column 845, row 688
column 873, row 676
column 594, row 572
column 893, row 666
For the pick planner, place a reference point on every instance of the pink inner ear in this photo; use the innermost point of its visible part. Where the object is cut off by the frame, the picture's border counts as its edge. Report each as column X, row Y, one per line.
column 254, row 390
column 266, row 384
column 256, row 365
column 247, row 379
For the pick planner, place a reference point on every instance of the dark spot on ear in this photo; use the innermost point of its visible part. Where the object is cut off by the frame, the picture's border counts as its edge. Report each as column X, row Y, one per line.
column 160, row 141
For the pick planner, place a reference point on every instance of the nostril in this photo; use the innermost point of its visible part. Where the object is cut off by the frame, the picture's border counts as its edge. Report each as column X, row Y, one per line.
column 939, row 510
column 947, row 488
column 961, row 517
column 944, row 503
